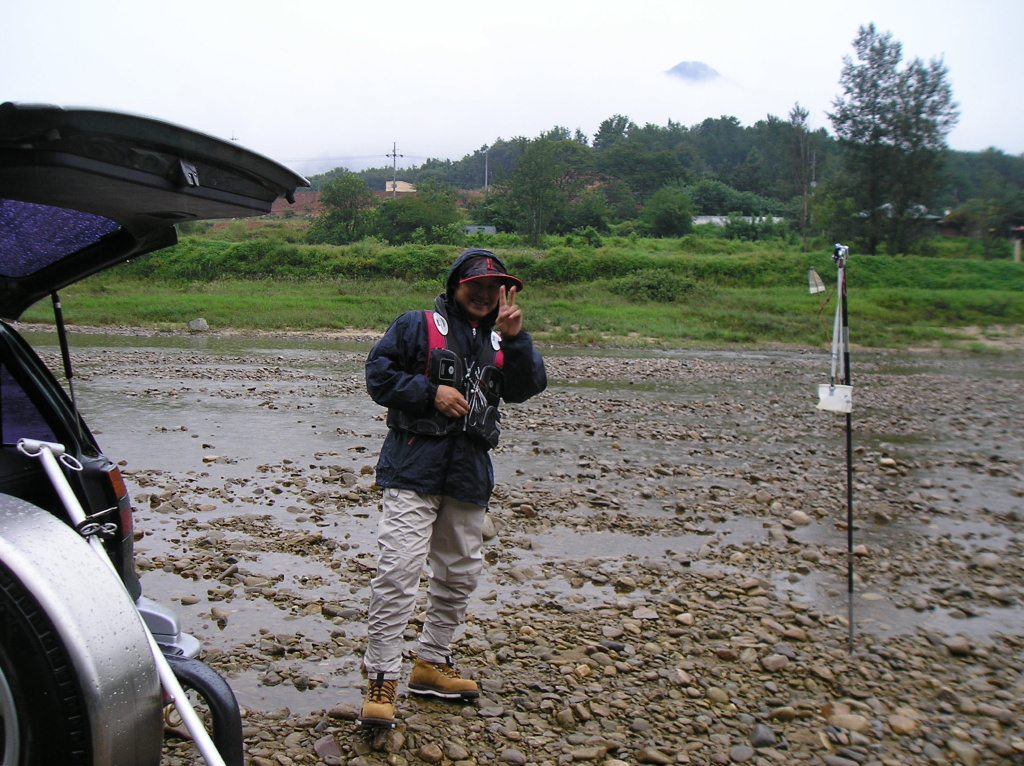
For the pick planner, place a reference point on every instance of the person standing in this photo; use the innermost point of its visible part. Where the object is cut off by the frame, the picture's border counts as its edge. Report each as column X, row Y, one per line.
column 441, row 374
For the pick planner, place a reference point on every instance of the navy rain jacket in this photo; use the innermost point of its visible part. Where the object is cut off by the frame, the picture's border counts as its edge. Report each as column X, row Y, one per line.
column 456, row 465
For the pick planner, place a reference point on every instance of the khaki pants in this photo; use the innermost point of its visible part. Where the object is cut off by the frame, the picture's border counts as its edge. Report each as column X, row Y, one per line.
column 415, row 528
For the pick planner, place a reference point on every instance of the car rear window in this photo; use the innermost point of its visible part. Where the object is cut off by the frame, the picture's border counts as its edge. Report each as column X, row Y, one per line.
column 19, row 417
column 33, row 237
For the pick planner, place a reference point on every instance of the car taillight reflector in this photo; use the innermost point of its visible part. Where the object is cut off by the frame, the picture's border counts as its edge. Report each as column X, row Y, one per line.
column 123, row 504
column 117, row 483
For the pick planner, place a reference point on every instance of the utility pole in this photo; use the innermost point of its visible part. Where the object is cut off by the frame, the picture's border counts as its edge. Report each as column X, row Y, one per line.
column 394, row 169
column 486, row 150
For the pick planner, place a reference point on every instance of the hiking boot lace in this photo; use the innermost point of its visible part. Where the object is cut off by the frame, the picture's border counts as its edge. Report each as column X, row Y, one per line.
column 447, row 669
column 382, row 692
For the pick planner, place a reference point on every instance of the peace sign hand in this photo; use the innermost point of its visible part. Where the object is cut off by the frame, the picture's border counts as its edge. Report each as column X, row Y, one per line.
column 510, row 318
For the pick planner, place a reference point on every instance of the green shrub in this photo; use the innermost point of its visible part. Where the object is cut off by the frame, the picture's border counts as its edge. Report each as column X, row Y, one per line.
column 591, row 236
column 495, row 242
column 655, row 285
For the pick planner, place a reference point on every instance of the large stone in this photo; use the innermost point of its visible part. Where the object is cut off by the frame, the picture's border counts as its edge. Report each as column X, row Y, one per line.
column 902, row 724
column 512, row 756
column 328, row 751
column 774, row 662
column 851, row 722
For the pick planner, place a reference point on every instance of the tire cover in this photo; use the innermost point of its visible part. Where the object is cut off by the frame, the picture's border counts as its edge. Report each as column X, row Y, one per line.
column 99, row 626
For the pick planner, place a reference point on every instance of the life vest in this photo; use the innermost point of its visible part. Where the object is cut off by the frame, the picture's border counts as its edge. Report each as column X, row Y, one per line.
column 480, row 385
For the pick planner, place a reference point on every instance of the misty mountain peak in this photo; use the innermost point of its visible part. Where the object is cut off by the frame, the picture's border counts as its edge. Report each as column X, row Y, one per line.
column 693, row 71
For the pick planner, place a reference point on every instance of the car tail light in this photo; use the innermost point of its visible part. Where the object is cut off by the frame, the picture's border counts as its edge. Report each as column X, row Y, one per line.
column 124, row 505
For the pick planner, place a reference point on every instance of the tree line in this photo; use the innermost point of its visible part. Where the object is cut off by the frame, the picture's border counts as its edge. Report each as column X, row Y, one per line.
column 882, row 180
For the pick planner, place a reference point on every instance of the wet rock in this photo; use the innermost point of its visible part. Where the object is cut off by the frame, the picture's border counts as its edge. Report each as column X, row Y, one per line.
column 799, row 518
column 456, row 752
column 589, row 753
column 902, row 724
column 986, row 560
column 344, row 712
column 762, row 736
column 774, row 662
column 964, row 752
column 850, row 722
column 430, row 753
column 653, row 755
column 838, row 760
column 717, row 696
column 512, row 756
column 785, row 713
column 327, row 750
column 741, row 754
column 958, row 646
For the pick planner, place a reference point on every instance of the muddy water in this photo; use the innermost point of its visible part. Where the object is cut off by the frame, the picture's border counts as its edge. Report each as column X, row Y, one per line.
column 628, row 465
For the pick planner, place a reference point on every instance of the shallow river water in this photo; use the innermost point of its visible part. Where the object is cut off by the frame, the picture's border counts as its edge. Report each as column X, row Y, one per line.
column 630, row 464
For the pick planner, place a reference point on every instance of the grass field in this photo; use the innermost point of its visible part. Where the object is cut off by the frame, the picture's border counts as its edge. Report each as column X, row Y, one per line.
column 648, row 293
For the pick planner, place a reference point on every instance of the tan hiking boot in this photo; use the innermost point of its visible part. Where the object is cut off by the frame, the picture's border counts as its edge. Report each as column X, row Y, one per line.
column 379, row 705
column 441, row 679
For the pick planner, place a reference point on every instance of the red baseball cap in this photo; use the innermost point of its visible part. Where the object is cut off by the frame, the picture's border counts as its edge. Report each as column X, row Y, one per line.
column 485, row 266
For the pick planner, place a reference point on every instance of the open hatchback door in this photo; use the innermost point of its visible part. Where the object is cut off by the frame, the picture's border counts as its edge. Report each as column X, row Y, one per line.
column 82, row 190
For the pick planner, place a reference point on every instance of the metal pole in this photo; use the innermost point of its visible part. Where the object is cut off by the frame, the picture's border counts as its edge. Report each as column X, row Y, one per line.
column 394, row 168
column 839, row 257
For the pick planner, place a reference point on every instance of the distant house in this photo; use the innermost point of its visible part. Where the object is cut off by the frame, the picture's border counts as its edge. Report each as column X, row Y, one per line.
column 399, row 187
column 723, row 220
column 916, row 212
column 479, row 229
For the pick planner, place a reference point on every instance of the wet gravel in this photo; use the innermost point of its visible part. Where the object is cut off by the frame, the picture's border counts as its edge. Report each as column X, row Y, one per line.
column 667, row 556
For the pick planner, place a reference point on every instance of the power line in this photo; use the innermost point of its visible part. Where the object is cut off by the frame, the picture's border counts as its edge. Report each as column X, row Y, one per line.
column 394, row 169
column 343, row 159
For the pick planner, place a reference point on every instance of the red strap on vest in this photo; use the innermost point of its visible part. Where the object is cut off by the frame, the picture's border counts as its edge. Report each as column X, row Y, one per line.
column 434, row 337
column 436, row 340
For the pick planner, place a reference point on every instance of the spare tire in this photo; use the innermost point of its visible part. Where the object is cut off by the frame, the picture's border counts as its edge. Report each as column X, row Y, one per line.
column 41, row 705
column 78, row 684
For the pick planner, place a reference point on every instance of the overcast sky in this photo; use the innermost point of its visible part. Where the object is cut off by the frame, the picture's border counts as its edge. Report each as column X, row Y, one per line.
column 326, row 83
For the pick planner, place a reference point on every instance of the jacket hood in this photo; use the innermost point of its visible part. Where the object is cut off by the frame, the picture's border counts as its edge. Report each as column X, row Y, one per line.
column 448, row 297
column 473, row 252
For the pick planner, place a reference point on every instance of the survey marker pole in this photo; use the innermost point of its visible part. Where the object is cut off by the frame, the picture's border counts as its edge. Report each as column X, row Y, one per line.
column 839, row 256
column 837, row 396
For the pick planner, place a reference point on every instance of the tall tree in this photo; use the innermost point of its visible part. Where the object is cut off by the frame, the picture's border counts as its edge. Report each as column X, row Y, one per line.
column 611, row 131
column 669, row 212
column 347, row 202
column 723, row 145
column 548, row 178
column 893, row 124
column 803, row 164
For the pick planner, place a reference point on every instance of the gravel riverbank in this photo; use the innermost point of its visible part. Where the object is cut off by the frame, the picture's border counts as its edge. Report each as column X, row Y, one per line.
column 667, row 556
